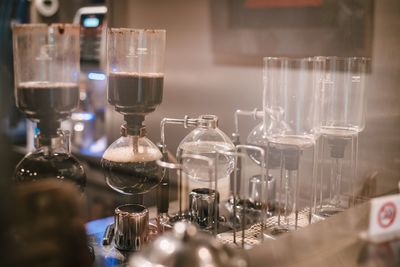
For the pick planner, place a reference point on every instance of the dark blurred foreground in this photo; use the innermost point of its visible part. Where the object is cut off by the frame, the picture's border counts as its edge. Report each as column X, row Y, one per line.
column 41, row 223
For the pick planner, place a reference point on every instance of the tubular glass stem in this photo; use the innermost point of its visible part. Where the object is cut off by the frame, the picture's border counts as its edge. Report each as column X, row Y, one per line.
column 290, row 192
column 354, row 167
column 135, row 145
column 336, row 180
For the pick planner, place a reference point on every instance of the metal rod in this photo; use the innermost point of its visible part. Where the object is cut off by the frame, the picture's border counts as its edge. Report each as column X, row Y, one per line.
column 256, row 114
column 264, row 183
column 354, row 167
column 216, row 214
column 314, row 183
column 243, row 221
column 280, row 190
column 236, row 155
column 296, row 194
column 186, row 122
column 234, row 199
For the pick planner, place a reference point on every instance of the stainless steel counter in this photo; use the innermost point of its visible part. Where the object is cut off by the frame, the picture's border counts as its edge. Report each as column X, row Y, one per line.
column 332, row 243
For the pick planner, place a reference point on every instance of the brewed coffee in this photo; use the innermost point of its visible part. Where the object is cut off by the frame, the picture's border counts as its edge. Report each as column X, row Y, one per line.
column 133, row 93
column 44, row 100
column 132, row 174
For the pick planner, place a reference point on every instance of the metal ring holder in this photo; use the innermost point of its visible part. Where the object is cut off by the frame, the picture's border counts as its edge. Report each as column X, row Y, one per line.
column 242, row 193
column 164, row 189
column 289, row 162
column 161, row 224
column 214, row 194
column 203, row 121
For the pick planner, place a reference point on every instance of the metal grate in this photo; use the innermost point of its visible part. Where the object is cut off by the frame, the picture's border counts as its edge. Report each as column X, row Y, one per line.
column 252, row 234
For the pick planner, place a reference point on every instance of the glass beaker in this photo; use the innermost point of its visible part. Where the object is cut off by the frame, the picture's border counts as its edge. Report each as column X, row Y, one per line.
column 46, row 68
column 342, row 117
column 290, row 126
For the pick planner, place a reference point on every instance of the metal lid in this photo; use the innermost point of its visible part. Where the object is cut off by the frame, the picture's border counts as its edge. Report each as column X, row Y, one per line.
column 185, row 246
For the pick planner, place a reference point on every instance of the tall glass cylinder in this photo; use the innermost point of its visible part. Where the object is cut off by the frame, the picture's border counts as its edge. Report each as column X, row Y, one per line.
column 290, row 126
column 342, row 90
column 46, row 67
column 135, row 71
column 343, row 95
column 290, row 101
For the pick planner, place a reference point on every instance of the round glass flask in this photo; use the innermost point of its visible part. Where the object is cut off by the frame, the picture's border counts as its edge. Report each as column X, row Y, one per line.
column 51, row 158
column 206, row 140
column 130, row 164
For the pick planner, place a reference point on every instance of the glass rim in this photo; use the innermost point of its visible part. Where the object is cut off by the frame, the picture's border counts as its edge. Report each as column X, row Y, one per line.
column 340, row 58
column 291, row 59
column 314, row 58
column 131, row 30
column 44, row 25
column 123, row 209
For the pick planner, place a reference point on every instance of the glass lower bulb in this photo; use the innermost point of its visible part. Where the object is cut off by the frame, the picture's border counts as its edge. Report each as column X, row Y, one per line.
column 130, row 165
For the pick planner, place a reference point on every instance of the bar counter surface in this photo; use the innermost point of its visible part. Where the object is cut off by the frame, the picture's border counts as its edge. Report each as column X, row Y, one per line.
column 331, row 243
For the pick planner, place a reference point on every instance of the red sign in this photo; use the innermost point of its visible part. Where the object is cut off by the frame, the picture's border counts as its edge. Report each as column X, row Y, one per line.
column 387, row 214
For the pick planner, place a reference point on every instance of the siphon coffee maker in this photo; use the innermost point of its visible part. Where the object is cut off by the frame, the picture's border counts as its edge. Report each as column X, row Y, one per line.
column 135, row 67
column 342, row 87
column 46, row 67
column 291, row 130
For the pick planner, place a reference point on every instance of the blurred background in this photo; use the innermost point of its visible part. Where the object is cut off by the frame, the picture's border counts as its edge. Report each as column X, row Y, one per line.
column 213, row 66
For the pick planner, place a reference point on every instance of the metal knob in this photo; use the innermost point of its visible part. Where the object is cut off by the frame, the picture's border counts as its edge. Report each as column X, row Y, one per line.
column 131, row 227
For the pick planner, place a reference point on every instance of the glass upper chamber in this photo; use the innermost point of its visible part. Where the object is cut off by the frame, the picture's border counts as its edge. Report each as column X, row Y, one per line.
column 205, row 140
column 51, row 159
column 46, row 72
column 343, row 97
column 290, row 101
column 130, row 165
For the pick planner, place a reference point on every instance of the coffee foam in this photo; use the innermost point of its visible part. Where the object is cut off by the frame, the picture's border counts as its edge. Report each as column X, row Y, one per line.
column 46, row 85
column 126, row 154
column 137, row 74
